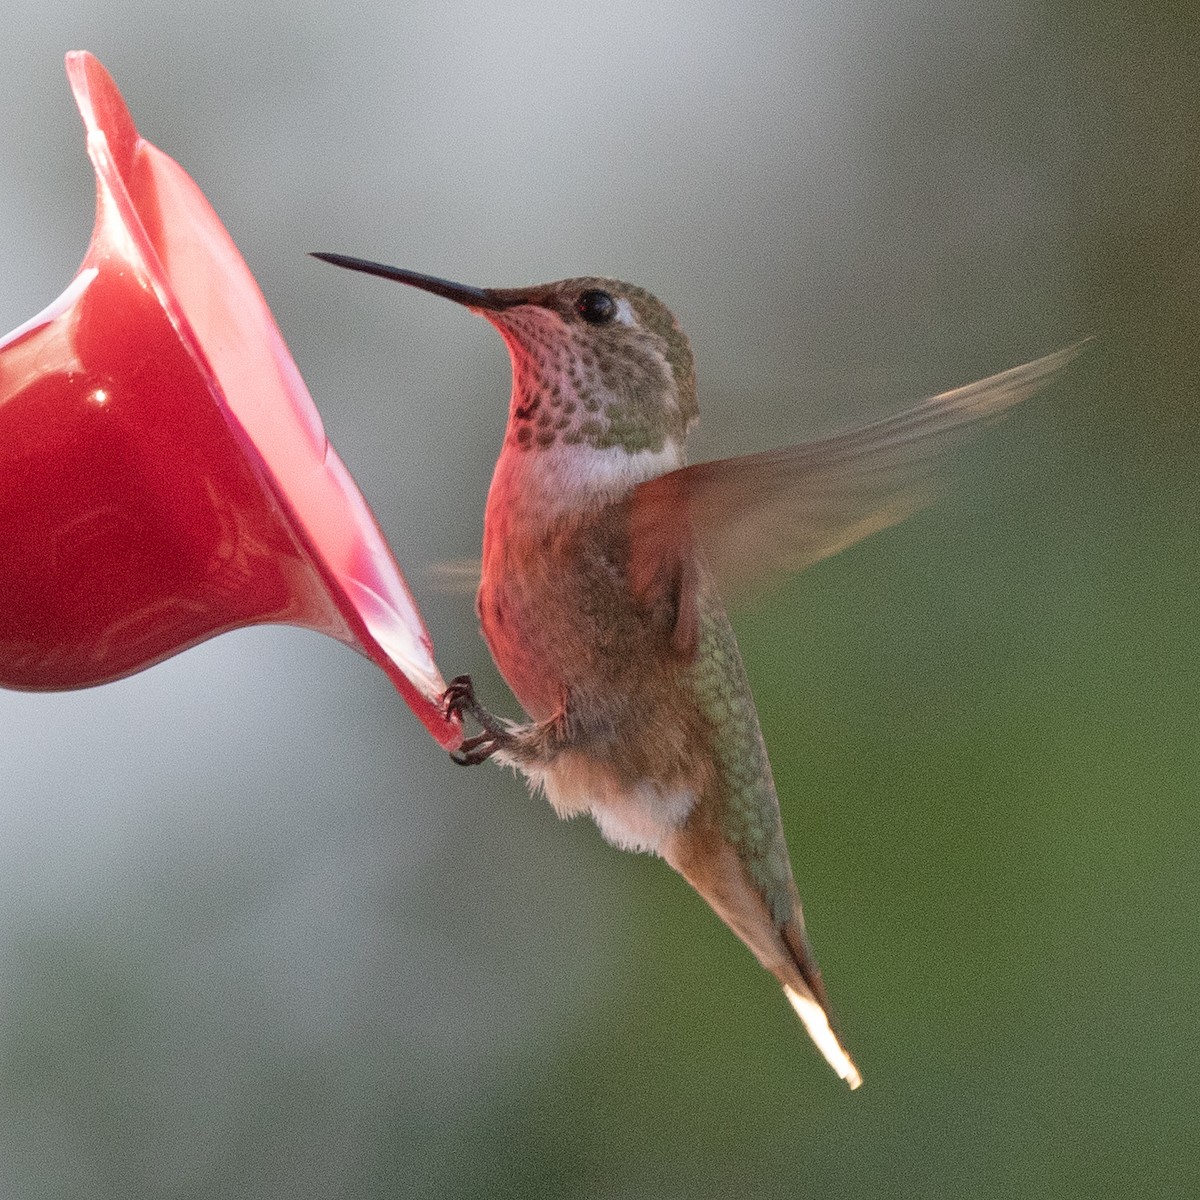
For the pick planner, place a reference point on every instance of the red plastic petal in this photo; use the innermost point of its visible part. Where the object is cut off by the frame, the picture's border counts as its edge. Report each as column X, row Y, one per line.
column 164, row 475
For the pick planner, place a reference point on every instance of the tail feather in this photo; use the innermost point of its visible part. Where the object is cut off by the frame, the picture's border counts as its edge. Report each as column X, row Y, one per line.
column 819, row 1029
column 812, row 1004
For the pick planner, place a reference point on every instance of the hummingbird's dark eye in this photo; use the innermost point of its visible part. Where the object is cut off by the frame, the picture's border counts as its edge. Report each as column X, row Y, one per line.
column 596, row 307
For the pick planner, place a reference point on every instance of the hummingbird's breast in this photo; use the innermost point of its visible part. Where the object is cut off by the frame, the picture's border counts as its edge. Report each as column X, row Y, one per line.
column 557, row 613
column 567, row 633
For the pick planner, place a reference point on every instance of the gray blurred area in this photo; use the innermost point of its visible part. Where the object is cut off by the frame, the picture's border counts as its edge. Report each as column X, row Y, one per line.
column 259, row 938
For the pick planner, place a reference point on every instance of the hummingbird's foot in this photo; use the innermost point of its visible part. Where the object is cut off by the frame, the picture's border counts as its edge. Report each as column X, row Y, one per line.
column 459, row 698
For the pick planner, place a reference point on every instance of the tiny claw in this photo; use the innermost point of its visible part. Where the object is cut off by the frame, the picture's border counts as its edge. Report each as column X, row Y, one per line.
column 475, row 750
column 459, row 696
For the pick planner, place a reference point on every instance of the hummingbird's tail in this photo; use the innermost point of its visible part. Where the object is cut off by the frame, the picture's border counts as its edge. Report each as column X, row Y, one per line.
column 710, row 865
column 811, row 1003
column 805, row 993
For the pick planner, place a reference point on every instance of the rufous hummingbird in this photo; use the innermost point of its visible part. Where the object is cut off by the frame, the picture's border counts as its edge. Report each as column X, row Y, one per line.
column 605, row 565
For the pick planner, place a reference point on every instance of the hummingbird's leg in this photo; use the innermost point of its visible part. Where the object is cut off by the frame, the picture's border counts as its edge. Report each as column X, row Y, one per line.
column 459, row 698
column 521, row 745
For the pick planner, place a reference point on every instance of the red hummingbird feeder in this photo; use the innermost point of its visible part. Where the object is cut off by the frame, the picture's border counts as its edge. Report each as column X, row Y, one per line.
column 164, row 474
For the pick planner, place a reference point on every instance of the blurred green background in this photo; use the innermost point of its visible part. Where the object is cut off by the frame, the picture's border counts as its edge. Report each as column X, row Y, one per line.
column 259, row 938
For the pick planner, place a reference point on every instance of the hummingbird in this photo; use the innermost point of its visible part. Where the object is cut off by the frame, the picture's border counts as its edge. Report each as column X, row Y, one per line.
column 607, row 563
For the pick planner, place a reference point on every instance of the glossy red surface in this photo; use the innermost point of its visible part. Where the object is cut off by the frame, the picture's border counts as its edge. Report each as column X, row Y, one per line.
column 164, row 475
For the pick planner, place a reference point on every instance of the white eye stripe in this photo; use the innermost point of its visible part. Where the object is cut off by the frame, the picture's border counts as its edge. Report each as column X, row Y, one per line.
column 625, row 312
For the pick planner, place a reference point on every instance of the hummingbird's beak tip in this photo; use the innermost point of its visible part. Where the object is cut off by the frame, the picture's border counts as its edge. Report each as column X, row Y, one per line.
column 348, row 261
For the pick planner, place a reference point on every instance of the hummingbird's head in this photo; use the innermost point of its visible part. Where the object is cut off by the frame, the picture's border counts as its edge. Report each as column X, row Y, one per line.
column 596, row 362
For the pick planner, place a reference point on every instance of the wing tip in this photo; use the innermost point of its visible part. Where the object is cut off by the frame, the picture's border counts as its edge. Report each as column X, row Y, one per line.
column 997, row 393
column 821, row 1032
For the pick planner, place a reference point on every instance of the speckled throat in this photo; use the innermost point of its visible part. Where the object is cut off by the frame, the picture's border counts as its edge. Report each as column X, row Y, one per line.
column 574, row 386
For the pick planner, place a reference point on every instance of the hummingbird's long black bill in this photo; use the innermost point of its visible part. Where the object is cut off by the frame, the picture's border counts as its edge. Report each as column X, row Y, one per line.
column 460, row 293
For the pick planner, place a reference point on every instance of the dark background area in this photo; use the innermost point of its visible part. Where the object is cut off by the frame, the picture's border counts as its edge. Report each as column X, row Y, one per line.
column 258, row 937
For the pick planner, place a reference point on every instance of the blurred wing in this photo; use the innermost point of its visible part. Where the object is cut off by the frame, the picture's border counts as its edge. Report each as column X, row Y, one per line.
column 762, row 514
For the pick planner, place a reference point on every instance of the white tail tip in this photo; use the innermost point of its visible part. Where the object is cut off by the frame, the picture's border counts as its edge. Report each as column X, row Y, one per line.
column 821, row 1032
